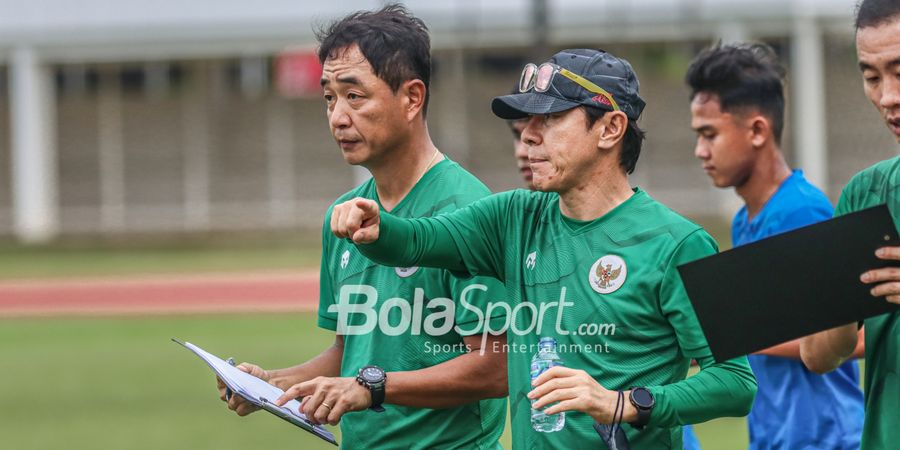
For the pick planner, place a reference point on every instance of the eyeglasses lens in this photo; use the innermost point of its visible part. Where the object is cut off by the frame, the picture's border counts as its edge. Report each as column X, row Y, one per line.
column 527, row 79
column 544, row 76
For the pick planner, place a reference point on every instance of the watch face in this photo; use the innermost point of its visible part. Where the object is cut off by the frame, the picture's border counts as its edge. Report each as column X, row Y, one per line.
column 642, row 398
column 372, row 374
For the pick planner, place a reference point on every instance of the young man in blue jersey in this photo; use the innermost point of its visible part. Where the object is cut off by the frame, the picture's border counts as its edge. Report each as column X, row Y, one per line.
column 737, row 108
column 878, row 52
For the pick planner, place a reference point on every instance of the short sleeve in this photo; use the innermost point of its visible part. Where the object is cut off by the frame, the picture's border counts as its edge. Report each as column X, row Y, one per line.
column 674, row 302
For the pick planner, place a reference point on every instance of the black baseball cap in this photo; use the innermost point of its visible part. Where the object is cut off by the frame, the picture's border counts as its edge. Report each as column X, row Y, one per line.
column 607, row 71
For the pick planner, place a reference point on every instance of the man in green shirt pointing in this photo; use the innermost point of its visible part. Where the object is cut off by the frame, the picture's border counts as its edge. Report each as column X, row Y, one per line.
column 590, row 266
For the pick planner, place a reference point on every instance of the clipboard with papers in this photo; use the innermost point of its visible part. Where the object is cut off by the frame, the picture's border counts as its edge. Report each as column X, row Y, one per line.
column 258, row 392
column 790, row 285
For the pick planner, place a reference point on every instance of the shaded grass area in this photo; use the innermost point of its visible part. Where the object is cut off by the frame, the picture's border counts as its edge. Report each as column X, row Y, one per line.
column 120, row 383
column 154, row 255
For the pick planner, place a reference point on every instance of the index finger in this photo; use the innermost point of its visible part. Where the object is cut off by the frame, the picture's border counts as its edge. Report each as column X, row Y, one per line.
column 295, row 391
column 553, row 372
column 368, row 207
column 362, row 211
column 888, row 253
column 552, row 385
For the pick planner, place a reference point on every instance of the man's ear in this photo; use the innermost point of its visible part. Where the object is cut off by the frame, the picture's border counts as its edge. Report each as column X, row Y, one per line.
column 611, row 129
column 413, row 92
column 760, row 130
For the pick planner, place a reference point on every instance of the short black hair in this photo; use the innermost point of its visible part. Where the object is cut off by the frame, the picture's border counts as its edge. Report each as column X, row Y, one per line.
column 872, row 13
column 743, row 76
column 631, row 142
column 393, row 41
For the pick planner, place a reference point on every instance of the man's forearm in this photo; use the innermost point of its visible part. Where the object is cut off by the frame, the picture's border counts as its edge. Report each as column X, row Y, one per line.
column 720, row 390
column 413, row 242
column 326, row 364
column 827, row 350
column 465, row 379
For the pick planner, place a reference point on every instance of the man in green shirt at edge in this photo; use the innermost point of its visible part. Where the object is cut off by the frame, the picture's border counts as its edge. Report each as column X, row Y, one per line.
column 878, row 51
column 587, row 260
column 438, row 389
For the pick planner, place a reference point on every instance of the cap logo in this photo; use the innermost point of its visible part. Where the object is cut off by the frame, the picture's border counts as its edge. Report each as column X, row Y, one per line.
column 601, row 99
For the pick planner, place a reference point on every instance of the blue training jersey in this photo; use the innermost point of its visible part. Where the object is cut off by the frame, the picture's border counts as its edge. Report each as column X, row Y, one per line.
column 796, row 409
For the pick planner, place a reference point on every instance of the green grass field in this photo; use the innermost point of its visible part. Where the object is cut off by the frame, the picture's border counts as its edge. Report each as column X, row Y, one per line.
column 120, row 383
column 142, row 256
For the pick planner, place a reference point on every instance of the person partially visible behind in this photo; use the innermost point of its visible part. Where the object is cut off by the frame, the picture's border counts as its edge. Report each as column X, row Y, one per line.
column 737, row 111
column 878, row 51
column 520, row 151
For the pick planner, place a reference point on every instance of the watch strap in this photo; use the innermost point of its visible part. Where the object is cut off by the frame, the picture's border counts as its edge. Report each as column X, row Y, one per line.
column 377, row 397
column 643, row 418
column 643, row 412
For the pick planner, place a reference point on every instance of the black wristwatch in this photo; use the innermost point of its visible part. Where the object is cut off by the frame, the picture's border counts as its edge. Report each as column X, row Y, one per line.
column 373, row 378
column 643, row 401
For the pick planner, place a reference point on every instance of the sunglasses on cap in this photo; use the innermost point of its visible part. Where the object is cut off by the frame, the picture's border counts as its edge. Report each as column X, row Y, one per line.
column 540, row 78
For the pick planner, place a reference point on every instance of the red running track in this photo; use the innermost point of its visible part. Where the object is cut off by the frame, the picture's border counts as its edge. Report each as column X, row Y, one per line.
column 244, row 292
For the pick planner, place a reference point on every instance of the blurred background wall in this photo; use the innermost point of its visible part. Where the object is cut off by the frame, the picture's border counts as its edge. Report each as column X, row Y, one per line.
column 180, row 117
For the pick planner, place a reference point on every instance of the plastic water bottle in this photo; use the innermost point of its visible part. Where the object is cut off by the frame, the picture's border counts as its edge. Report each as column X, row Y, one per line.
column 543, row 360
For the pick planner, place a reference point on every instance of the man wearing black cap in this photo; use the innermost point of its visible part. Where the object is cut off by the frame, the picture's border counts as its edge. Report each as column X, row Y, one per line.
column 590, row 266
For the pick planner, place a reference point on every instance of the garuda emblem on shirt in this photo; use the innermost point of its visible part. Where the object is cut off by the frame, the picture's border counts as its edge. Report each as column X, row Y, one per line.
column 608, row 274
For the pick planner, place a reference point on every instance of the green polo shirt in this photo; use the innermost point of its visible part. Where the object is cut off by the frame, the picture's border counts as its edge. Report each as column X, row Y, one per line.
column 404, row 319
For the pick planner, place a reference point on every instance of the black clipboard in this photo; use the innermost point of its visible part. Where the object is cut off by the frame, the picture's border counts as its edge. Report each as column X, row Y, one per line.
column 790, row 285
